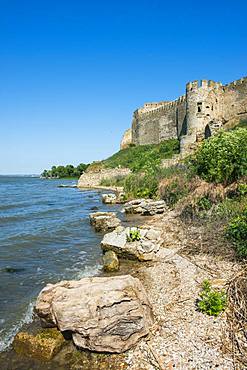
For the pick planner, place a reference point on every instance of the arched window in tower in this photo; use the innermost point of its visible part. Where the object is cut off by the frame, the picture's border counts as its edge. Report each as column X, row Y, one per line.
column 207, row 133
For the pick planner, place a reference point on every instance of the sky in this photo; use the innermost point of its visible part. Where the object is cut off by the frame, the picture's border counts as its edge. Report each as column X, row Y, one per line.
column 72, row 72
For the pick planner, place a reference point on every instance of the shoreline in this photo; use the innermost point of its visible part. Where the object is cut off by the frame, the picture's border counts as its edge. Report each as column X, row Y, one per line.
column 173, row 284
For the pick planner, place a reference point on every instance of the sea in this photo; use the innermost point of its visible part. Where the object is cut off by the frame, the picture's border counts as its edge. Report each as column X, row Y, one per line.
column 45, row 237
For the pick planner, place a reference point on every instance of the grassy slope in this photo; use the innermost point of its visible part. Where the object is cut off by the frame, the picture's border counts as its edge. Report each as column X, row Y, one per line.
column 138, row 157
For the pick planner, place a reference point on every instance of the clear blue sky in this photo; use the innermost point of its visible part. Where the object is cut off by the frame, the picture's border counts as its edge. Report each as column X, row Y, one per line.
column 72, row 72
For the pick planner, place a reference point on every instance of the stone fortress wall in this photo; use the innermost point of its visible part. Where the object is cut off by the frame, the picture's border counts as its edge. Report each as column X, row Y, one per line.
column 206, row 107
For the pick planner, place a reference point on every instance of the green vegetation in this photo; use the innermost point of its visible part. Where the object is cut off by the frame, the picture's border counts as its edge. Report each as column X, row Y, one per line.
column 68, row 171
column 145, row 162
column 141, row 158
column 222, row 158
column 134, row 235
column 204, row 204
column 174, row 186
column 212, row 301
column 142, row 185
column 237, row 232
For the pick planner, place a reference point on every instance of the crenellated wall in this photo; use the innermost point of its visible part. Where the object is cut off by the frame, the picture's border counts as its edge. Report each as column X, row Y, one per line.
column 206, row 107
column 159, row 122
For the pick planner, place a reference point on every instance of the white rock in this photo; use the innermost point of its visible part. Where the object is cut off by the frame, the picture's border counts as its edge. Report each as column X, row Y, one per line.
column 104, row 314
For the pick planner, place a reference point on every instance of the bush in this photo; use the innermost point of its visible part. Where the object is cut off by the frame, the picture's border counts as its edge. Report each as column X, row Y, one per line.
column 211, row 301
column 222, row 158
column 237, row 232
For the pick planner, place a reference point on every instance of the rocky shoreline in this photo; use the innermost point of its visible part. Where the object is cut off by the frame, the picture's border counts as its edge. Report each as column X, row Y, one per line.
column 180, row 336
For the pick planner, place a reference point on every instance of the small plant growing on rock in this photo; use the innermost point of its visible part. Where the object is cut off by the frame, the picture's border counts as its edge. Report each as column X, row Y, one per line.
column 211, row 301
column 134, row 235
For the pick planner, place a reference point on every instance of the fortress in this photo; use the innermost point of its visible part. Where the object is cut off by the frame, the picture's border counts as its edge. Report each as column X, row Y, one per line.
column 206, row 107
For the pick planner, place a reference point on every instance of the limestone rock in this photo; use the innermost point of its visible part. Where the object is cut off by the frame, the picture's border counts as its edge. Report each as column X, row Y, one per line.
column 103, row 221
column 42, row 346
column 104, row 314
column 110, row 198
column 126, row 139
column 113, row 198
column 93, row 177
column 145, row 207
column 111, row 262
column 145, row 249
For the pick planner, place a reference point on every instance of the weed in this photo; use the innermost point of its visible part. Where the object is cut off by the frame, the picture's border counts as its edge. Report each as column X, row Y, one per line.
column 134, row 235
column 211, row 301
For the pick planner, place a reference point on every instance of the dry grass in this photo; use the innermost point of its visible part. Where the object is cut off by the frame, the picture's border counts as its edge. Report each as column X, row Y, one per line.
column 237, row 318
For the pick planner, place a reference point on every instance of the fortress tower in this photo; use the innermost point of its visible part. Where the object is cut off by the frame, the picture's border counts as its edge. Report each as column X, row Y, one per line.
column 203, row 111
column 205, row 108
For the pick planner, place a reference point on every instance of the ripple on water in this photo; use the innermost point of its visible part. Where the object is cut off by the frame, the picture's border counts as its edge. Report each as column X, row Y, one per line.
column 45, row 237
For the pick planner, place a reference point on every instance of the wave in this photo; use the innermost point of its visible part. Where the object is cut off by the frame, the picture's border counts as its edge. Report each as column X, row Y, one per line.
column 88, row 271
column 9, row 336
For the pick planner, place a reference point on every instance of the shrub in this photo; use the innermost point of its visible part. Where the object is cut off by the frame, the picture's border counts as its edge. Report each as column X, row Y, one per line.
column 204, row 204
column 211, row 301
column 134, row 235
column 222, row 158
column 236, row 231
column 242, row 189
column 115, row 181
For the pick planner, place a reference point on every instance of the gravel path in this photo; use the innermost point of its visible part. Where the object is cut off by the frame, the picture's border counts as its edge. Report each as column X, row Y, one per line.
column 182, row 337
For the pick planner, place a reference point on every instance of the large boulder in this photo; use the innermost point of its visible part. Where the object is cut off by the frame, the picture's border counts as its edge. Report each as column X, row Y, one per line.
column 145, row 207
column 104, row 221
column 111, row 262
column 104, row 314
column 42, row 346
column 145, row 247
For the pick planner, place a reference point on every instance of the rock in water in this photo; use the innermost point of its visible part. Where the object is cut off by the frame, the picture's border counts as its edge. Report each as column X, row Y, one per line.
column 104, row 314
column 111, row 262
column 42, row 346
column 104, row 221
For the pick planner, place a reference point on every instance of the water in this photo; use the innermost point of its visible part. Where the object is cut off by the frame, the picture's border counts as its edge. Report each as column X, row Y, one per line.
column 45, row 236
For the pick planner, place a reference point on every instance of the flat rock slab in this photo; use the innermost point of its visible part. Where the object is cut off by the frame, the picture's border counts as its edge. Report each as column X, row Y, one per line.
column 104, row 221
column 145, row 207
column 145, row 249
column 104, row 314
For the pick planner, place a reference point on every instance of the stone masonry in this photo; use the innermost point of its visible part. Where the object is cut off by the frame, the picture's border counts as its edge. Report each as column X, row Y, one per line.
column 206, row 107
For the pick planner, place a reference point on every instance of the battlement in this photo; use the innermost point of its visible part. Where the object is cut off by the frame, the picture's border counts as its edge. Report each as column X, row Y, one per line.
column 158, row 107
column 238, row 82
column 197, row 84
